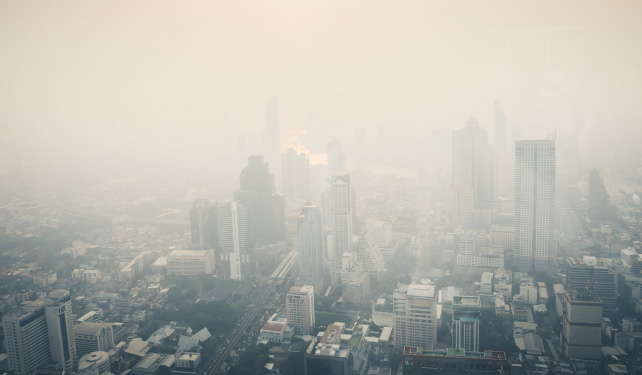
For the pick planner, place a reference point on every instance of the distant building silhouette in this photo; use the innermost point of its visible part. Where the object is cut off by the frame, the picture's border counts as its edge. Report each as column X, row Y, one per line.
column 500, row 130
column 337, row 163
column 295, row 168
column 272, row 147
column 600, row 210
column 266, row 209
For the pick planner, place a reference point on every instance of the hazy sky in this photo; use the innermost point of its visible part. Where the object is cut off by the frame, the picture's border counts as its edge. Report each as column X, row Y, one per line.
column 149, row 78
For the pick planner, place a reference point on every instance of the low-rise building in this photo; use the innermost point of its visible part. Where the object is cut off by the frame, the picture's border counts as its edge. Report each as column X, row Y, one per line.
column 190, row 262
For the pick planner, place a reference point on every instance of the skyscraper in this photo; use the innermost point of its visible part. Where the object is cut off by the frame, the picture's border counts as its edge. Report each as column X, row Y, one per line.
column 296, row 174
column 470, row 146
column 534, row 223
column 310, row 239
column 600, row 210
column 41, row 332
column 299, row 308
column 273, row 135
column 474, row 171
column 414, row 312
column 465, row 322
column 235, row 239
column 341, row 220
column 203, row 224
column 267, row 210
column 60, row 324
column 337, row 164
column 500, row 130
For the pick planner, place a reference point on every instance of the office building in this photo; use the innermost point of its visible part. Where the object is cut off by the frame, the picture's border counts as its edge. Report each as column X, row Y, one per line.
column 422, row 361
column 295, row 168
column 354, row 280
column 203, row 224
column 40, row 333
column 235, row 240
column 600, row 210
column 370, row 254
column 337, row 162
column 474, row 164
column 414, row 310
column 460, row 204
column 382, row 232
column 267, row 209
column 311, row 246
column 581, row 336
column 594, row 271
column 299, row 308
column 92, row 337
column 500, row 130
column 502, row 236
column 534, row 222
column 94, row 363
column 190, row 262
column 323, row 359
column 341, row 220
column 465, row 322
column 60, row 324
column 467, row 244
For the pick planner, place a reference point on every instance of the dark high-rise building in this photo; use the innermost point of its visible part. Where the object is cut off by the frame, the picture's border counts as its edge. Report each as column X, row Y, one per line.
column 295, row 168
column 600, row 210
column 256, row 176
column 266, row 209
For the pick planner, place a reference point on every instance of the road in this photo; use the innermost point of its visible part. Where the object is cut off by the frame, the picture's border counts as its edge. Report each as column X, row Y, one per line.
column 258, row 306
column 281, row 272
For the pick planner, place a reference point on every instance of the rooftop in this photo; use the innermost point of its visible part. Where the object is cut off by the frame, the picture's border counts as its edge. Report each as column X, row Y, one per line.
column 421, row 290
column 189, row 253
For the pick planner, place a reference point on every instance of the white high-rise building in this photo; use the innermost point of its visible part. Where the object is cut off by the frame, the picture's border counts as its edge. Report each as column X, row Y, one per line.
column 234, row 240
column 414, row 312
column 41, row 332
column 341, row 221
column 310, row 238
column 92, row 337
column 299, row 309
column 534, row 224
